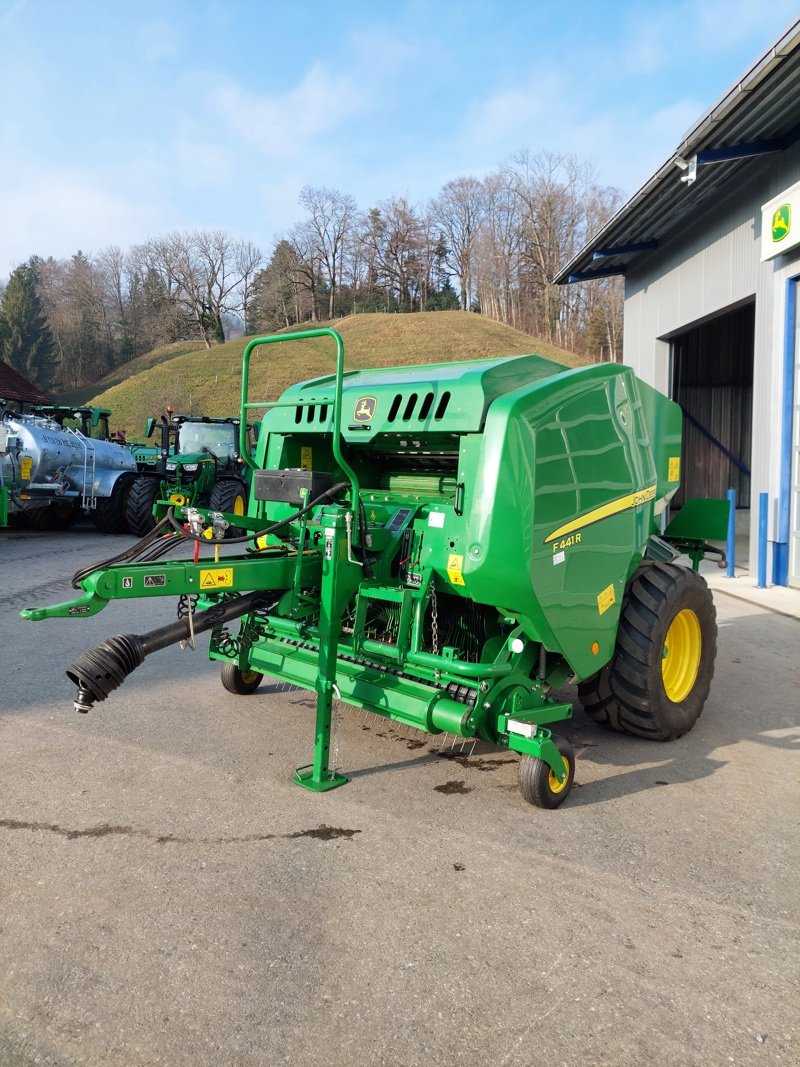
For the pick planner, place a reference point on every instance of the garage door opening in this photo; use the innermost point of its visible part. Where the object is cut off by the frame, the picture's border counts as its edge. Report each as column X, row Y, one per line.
column 712, row 380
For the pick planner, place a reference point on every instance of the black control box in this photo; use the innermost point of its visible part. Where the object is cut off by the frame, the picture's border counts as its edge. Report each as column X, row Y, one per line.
column 285, row 485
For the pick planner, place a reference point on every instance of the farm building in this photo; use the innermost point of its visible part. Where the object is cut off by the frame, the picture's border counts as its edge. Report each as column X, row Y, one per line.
column 16, row 391
column 710, row 251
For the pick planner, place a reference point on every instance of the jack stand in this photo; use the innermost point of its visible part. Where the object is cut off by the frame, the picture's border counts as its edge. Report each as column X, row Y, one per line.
column 317, row 776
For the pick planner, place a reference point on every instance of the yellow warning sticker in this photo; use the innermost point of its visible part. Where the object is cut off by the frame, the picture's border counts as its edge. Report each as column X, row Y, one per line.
column 454, row 565
column 305, row 458
column 605, row 599
column 25, row 468
column 674, row 469
column 221, row 578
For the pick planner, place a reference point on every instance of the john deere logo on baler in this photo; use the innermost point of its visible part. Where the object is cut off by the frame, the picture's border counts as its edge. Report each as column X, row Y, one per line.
column 365, row 409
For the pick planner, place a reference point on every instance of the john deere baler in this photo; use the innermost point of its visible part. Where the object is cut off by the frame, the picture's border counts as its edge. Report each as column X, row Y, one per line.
column 445, row 546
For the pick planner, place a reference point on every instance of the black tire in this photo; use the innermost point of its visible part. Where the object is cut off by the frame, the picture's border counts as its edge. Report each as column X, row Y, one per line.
column 658, row 679
column 229, row 495
column 537, row 783
column 57, row 516
column 110, row 516
column 142, row 496
column 242, row 683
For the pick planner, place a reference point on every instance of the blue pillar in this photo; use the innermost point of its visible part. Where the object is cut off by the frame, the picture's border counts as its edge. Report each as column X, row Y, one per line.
column 731, row 547
column 763, row 510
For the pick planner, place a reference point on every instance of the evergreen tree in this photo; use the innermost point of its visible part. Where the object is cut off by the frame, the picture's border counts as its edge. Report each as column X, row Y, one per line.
column 26, row 341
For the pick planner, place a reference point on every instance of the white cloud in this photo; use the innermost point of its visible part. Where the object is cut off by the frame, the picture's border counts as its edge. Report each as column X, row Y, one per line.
column 287, row 123
column 157, row 40
column 45, row 211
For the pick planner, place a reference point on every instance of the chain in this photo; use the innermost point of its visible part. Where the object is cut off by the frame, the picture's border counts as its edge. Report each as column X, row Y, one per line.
column 186, row 609
column 434, row 622
column 336, row 718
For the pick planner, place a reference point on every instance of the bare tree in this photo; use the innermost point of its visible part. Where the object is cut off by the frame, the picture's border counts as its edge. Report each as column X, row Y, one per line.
column 329, row 226
column 460, row 210
column 247, row 261
column 496, row 253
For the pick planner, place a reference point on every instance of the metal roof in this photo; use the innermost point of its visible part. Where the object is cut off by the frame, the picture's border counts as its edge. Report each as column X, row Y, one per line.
column 758, row 115
column 13, row 386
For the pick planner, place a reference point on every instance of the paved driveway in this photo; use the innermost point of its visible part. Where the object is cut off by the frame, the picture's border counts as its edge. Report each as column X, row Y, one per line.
column 167, row 896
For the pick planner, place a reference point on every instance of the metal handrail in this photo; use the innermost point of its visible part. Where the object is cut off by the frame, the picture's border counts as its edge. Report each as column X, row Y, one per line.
column 336, row 437
column 88, row 499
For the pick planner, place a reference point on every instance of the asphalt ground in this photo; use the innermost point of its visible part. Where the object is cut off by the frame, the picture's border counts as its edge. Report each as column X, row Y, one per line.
column 168, row 896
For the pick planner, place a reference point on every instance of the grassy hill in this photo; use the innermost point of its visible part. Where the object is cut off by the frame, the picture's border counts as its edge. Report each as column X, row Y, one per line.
column 208, row 381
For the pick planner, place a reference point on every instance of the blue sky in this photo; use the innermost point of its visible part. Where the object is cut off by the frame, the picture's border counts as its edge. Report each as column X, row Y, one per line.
column 123, row 121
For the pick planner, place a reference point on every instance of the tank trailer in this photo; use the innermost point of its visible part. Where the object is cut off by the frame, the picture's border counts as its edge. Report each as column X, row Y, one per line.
column 51, row 473
column 446, row 546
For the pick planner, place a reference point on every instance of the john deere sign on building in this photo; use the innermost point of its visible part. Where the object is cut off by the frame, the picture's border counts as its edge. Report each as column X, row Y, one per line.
column 780, row 223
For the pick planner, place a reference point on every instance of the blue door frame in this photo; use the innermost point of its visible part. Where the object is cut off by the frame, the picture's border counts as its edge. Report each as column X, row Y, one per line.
column 780, row 548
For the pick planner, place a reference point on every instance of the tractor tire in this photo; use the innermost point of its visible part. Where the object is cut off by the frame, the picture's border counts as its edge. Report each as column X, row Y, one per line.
column 110, row 516
column 658, row 679
column 57, row 516
column 229, row 495
column 537, row 783
column 141, row 498
column 242, row 683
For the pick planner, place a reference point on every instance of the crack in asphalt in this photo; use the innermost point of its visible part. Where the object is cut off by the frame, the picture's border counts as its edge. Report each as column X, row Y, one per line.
column 320, row 833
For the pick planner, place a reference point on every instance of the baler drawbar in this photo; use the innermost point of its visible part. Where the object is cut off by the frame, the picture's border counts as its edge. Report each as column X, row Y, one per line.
column 445, row 546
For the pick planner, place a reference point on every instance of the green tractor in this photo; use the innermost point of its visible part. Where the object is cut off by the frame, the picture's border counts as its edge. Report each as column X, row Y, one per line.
column 198, row 465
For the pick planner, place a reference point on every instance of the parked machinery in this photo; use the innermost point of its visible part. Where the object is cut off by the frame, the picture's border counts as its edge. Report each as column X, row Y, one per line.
column 198, row 464
column 51, row 474
column 445, row 546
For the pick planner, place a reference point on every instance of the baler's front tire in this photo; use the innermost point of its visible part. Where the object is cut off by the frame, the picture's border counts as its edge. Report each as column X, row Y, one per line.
column 141, row 498
column 658, row 680
column 237, row 681
column 537, row 783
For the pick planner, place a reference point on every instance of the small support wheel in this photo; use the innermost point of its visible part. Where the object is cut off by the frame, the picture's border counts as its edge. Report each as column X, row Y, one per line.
column 537, row 783
column 242, row 683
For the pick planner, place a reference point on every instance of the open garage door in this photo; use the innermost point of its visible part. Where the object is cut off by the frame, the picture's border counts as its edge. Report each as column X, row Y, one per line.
column 712, row 380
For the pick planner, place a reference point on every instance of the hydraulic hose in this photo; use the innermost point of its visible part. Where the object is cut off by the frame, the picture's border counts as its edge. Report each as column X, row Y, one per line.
column 99, row 671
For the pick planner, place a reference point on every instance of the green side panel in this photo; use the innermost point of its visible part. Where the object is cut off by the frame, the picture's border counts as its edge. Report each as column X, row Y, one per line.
column 664, row 424
column 561, row 509
column 3, row 505
column 700, row 520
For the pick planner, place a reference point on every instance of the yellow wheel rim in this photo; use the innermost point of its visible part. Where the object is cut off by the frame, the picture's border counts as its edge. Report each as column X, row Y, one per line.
column 238, row 506
column 553, row 782
column 249, row 676
column 680, row 657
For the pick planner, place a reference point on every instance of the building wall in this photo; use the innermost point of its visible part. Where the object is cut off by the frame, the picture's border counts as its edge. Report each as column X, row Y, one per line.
column 711, row 267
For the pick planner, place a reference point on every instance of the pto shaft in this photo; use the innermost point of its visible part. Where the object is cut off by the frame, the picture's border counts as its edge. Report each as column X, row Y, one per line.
column 99, row 671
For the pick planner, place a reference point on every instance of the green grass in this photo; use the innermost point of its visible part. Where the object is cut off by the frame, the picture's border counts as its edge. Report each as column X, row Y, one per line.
column 208, row 381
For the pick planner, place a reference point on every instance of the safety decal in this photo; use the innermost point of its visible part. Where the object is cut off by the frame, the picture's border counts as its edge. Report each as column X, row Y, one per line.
column 454, row 567
column 606, row 599
column 605, row 511
column 674, row 469
column 305, row 458
column 220, row 578
column 25, row 468
column 155, row 581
